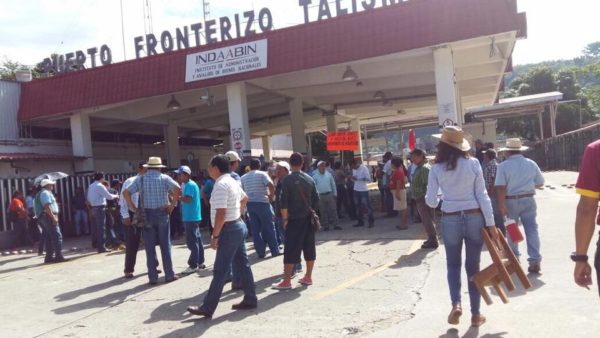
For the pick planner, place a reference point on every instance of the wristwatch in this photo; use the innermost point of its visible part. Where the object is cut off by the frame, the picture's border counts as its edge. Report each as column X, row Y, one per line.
column 579, row 258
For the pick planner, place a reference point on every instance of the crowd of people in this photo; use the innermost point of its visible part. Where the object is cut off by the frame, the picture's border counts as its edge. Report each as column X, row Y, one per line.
column 274, row 202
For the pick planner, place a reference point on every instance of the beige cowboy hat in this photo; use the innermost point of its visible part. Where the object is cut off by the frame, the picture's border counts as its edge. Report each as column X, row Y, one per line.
column 514, row 144
column 154, row 162
column 454, row 137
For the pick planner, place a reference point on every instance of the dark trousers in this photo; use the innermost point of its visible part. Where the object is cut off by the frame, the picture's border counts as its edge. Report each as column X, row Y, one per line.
column 344, row 199
column 133, row 235
column 427, row 217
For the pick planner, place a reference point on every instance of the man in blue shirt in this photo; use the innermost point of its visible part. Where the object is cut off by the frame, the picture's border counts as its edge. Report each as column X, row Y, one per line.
column 516, row 181
column 327, row 190
column 260, row 189
column 48, row 217
column 191, row 217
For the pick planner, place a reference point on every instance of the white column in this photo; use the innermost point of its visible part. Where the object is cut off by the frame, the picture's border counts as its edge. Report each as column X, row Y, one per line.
column 355, row 126
column 446, row 90
column 266, row 143
column 331, row 123
column 541, row 124
column 297, row 124
column 172, row 145
column 81, row 140
column 238, row 118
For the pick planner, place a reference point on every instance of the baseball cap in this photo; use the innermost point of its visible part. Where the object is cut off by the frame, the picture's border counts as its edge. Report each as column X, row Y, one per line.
column 321, row 162
column 284, row 164
column 233, row 156
column 184, row 169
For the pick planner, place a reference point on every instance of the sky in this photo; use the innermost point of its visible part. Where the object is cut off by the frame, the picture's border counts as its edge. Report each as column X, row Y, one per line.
column 31, row 30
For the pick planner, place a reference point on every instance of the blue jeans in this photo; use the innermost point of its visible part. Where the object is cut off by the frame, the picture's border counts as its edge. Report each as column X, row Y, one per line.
column 457, row 229
column 194, row 243
column 81, row 220
column 263, row 228
column 156, row 232
column 498, row 218
column 525, row 210
column 53, row 238
column 279, row 232
column 231, row 251
column 361, row 198
column 99, row 214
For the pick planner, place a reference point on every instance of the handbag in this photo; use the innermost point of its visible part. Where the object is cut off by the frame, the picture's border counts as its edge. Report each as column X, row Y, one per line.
column 315, row 222
column 139, row 217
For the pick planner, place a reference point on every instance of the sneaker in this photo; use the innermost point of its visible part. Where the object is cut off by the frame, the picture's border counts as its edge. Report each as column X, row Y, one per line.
column 189, row 270
column 283, row 285
column 430, row 244
column 534, row 268
column 201, row 267
column 305, row 281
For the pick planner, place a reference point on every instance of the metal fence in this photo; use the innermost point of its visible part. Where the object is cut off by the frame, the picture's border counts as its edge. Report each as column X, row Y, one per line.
column 564, row 152
column 64, row 190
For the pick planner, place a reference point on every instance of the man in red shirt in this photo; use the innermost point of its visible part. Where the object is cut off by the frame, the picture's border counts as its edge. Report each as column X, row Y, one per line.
column 398, row 190
column 18, row 216
column 588, row 187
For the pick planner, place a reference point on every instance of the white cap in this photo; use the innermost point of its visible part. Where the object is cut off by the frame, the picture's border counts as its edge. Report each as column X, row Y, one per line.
column 284, row 164
column 46, row 182
column 233, row 156
column 321, row 162
column 184, row 169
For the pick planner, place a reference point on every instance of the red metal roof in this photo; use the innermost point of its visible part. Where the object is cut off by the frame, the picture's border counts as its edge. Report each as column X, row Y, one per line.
column 392, row 29
column 13, row 157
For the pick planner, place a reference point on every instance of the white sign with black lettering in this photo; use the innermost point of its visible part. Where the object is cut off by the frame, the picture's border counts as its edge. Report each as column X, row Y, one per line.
column 245, row 57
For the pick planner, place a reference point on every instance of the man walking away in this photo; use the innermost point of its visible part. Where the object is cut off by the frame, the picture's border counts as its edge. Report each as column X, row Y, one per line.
column 191, row 216
column 96, row 197
column 133, row 233
column 228, row 238
column 327, row 190
column 259, row 188
column 154, row 188
column 48, row 218
column 516, row 181
column 489, row 176
column 419, row 190
column 360, row 177
column 80, row 213
column 298, row 195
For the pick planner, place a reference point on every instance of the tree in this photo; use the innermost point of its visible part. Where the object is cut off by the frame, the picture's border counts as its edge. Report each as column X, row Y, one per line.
column 8, row 69
column 592, row 50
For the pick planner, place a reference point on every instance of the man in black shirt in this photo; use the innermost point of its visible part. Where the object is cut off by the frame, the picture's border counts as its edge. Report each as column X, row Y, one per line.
column 299, row 193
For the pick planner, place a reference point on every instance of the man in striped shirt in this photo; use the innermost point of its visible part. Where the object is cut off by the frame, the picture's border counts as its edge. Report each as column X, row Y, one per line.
column 260, row 190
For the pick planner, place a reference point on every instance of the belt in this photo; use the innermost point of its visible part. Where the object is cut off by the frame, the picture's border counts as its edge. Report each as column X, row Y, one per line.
column 325, row 193
column 470, row 211
column 232, row 222
column 519, row 196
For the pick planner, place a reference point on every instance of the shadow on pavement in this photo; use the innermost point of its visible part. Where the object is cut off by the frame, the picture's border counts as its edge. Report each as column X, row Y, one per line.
column 6, row 261
column 105, row 301
column 519, row 291
column 472, row 332
column 26, row 267
column 414, row 259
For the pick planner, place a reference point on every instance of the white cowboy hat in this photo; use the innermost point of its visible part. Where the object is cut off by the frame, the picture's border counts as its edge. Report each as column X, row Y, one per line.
column 514, row 144
column 46, row 182
column 233, row 156
column 454, row 137
column 154, row 162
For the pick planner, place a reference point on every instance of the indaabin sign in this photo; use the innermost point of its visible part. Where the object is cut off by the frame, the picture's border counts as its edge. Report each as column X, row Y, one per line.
column 236, row 59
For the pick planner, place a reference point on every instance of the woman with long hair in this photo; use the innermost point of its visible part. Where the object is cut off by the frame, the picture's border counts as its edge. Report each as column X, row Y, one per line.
column 466, row 208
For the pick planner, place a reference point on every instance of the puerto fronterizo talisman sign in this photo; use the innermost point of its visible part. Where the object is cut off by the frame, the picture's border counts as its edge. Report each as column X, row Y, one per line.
column 342, row 140
column 242, row 58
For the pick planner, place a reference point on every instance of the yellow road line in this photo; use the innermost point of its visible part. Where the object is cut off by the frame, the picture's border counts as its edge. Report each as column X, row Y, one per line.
column 413, row 248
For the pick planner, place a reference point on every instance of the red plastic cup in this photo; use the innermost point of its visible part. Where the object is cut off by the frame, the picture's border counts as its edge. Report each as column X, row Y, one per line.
column 513, row 231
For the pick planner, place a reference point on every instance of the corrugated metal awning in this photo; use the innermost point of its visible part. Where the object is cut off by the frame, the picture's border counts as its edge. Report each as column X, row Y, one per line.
column 14, row 157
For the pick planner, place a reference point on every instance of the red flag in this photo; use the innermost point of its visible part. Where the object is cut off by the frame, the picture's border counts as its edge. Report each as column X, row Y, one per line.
column 412, row 140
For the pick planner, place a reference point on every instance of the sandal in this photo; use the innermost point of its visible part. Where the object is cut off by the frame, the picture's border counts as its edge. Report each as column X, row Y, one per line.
column 477, row 320
column 454, row 316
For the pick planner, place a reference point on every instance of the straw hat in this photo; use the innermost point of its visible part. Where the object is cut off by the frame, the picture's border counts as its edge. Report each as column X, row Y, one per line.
column 514, row 144
column 46, row 182
column 454, row 137
column 154, row 162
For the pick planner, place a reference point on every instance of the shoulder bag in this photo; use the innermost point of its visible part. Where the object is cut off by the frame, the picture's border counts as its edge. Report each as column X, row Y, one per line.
column 315, row 222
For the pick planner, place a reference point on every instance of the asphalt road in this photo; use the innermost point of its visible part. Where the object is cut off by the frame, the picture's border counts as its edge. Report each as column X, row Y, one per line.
column 367, row 282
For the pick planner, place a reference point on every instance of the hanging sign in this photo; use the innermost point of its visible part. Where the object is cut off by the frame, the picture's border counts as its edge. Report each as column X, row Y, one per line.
column 342, row 140
column 242, row 58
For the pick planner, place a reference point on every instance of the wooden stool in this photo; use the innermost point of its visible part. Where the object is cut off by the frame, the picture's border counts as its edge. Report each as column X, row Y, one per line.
column 504, row 265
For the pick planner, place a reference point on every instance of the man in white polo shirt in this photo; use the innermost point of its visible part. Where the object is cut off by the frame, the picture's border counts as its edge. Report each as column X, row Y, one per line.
column 361, row 176
column 228, row 238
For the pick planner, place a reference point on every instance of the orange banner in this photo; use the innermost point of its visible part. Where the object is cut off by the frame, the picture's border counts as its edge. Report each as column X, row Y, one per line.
column 342, row 140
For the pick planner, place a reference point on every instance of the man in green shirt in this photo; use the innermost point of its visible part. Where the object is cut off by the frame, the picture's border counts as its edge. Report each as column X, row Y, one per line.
column 419, row 189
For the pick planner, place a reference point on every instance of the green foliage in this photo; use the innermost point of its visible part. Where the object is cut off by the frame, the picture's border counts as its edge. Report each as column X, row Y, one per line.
column 9, row 67
column 577, row 79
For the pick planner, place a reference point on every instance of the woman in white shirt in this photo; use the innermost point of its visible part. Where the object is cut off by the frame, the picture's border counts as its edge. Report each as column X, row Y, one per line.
column 466, row 209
